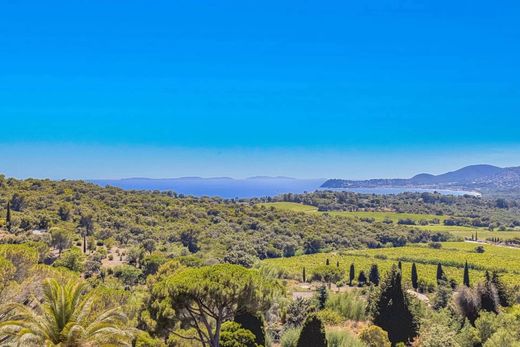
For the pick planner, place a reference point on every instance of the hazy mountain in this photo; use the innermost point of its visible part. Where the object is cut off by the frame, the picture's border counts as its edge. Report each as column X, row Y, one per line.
column 488, row 179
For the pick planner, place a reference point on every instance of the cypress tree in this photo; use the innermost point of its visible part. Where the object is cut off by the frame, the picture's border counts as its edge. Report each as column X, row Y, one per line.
column 352, row 274
column 313, row 333
column 400, row 266
column 304, row 276
column 390, row 309
column 327, row 262
column 488, row 295
column 8, row 217
column 504, row 296
column 441, row 276
column 254, row 324
column 362, row 278
column 322, row 297
column 373, row 275
column 337, row 263
column 466, row 274
column 415, row 277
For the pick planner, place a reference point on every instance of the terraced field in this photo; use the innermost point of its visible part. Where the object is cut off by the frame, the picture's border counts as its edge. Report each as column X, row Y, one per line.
column 452, row 256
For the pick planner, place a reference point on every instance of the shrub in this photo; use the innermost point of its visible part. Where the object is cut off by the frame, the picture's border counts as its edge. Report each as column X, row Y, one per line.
column 297, row 311
column 349, row 305
column 342, row 338
column 480, row 249
column 234, row 335
column 330, row 317
column 328, row 274
column 73, row 259
column 374, row 336
column 435, row 245
column 128, row 274
column 290, row 337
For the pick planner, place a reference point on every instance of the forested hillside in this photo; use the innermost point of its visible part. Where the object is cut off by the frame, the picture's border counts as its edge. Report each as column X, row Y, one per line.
column 239, row 231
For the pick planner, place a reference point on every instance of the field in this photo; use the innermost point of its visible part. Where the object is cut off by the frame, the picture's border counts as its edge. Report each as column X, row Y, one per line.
column 461, row 231
column 377, row 216
column 452, row 256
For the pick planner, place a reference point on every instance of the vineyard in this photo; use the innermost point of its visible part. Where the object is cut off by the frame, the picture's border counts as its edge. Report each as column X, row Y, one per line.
column 452, row 255
column 395, row 217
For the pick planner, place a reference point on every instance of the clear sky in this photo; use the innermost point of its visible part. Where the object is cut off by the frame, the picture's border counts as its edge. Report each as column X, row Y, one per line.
column 351, row 89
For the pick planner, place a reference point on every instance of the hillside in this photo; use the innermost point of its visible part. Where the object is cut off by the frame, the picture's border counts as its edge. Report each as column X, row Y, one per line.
column 236, row 231
column 487, row 179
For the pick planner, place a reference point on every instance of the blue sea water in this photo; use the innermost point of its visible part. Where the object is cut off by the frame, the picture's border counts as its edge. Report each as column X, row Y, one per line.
column 229, row 188
column 222, row 187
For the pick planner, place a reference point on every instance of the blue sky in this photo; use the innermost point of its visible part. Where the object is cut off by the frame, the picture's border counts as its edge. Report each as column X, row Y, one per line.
column 107, row 89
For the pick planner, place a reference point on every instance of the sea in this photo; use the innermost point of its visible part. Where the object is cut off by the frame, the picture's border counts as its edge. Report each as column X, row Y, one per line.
column 229, row 188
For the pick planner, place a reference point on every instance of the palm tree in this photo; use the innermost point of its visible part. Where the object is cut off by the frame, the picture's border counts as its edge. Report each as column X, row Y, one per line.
column 66, row 318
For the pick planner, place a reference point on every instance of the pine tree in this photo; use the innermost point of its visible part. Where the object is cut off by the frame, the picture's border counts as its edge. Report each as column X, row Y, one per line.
column 313, row 333
column 466, row 275
column 304, row 276
column 352, row 274
column 441, row 276
column 390, row 309
column 373, row 275
column 254, row 324
column 415, row 277
column 8, row 217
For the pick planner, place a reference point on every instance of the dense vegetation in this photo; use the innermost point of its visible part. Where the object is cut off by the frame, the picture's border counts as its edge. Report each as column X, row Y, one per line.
column 82, row 265
column 464, row 210
column 236, row 231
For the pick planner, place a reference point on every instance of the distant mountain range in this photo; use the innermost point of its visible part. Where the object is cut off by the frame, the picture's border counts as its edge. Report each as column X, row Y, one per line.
column 486, row 179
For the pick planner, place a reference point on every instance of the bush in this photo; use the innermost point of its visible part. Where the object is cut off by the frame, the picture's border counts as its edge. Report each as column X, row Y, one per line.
column 234, row 335
column 128, row 274
column 143, row 339
column 480, row 249
column 435, row 245
column 348, row 304
column 73, row 259
column 328, row 274
column 374, row 336
column 297, row 312
column 330, row 317
column 290, row 337
column 342, row 338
